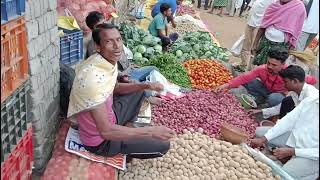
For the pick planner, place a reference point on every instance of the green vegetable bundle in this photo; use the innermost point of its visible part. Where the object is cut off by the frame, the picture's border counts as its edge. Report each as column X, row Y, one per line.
column 198, row 45
column 143, row 45
column 171, row 69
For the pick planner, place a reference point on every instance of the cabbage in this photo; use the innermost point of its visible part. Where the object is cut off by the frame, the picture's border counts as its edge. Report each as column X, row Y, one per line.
column 147, row 39
column 141, row 49
column 150, row 51
column 137, row 56
column 179, row 53
column 208, row 54
column 158, row 48
column 144, row 60
column 196, row 47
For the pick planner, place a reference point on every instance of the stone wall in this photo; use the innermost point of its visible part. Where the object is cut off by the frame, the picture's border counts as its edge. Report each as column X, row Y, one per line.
column 44, row 52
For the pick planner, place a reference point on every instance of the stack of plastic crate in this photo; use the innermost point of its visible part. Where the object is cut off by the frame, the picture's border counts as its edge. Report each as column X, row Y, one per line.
column 16, row 133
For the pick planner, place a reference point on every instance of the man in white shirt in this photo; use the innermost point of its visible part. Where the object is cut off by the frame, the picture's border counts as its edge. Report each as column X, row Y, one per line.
column 294, row 78
column 253, row 24
column 310, row 27
column 296, row 136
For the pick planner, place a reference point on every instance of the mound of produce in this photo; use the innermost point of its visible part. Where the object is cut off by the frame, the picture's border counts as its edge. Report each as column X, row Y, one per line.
column 184, row 9
column 143, row 45
column 203, row 109
column 81, row 8
column 194, row 156
column 198, row 45
column 207, row 74
column 186, row 26
column 171, row 69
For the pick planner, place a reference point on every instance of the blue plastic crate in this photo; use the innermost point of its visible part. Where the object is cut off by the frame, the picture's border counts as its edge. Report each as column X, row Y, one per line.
column 71, row 47
column 11, row 9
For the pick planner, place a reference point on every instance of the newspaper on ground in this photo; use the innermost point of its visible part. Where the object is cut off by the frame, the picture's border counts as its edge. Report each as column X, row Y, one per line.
column 74, row 145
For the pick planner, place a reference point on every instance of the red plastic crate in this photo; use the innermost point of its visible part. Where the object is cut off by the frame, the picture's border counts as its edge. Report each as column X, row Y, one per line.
column 14, row 64
column 18, row 166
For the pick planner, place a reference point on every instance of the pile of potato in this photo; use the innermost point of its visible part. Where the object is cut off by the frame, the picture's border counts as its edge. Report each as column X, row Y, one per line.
column 185, row 26
column 195, row 156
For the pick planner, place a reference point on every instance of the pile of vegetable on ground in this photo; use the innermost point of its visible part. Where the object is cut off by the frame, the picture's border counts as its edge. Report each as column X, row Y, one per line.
column 198, row 45
column 195, row 156
column 186, row 26
column 203, row 109
column 171, row 69
column 143, row 45
column 207, row 74
column 184, row 9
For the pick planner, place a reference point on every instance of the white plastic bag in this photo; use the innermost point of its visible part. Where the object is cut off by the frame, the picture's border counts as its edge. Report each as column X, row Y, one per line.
column 157, row 77
column 276, row 169
column 237, row 46
column 128, row 52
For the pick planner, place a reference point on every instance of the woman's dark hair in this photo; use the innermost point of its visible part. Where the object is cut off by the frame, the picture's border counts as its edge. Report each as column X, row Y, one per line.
column 293, row 72
column 96, row 31
column 93, row 18
column 278, row 53
column 164, row 7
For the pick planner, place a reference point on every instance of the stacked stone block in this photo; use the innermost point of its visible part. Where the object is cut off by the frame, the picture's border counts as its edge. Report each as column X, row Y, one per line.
column 43, row 48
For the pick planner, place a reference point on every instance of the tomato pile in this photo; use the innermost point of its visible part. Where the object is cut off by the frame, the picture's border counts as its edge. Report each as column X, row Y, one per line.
column 313, row 43
column 207, row 74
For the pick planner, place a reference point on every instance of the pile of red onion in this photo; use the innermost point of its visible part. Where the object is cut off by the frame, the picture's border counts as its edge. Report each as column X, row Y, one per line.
column 203, row 109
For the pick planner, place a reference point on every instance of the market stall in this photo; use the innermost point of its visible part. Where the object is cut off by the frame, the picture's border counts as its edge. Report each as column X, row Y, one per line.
column 194, row 63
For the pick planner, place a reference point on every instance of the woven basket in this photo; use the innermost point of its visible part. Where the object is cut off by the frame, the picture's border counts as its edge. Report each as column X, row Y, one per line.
column 233, row 134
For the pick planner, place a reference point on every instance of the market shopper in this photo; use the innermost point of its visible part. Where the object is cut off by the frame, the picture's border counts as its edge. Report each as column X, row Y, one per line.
column 295, row 137
column 206, row 4
column 281, row 26
column 173, row 5
column 310, row 27
column 219, row 4
column 159, row 26
column 103, row 130
column 253, row 24
column 269, row 87
column 231, row 8
column 294, row 79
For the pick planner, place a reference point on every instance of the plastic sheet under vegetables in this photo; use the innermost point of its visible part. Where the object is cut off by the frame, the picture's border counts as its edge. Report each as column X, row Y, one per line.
column 276, row 169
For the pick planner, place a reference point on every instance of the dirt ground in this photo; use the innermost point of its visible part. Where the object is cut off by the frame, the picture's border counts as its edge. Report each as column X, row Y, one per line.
column 226, row 29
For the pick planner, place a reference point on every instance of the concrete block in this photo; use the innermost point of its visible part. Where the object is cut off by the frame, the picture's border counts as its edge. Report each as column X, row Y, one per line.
column 30, row 12
column 35, row 81
column 53, row 5
column 37, row 96
column 54, row 17
column 46, row 5
column 32, row 29
column 37, row 8
column 40, row 24
column 27, row 12
column 38, row 138
column 32, row 51
column 36, row 114
column 53, row 34
column 35, row 66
